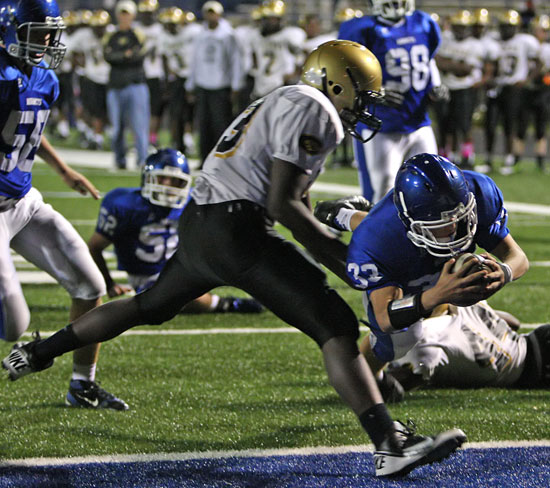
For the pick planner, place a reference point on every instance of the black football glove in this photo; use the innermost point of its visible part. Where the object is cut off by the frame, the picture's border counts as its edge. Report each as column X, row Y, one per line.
column 327, row 211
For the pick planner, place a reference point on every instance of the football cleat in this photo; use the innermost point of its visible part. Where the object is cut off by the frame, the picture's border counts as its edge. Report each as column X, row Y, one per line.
column 21, row 360
column 239, row 305
column 88, row 394
column 403, row 450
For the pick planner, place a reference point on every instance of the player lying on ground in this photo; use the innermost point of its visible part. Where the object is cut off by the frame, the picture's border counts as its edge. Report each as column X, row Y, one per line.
column 142, row 224
column 260, row 171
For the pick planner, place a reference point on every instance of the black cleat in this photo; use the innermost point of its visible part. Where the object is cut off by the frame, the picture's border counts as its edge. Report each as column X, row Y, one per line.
column 89, row 394
column 21, row 360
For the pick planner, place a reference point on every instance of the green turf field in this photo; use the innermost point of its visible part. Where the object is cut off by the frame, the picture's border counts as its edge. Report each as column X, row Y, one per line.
column 242, row 390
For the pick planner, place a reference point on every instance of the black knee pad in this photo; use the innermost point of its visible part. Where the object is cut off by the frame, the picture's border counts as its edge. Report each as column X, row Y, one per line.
column 537, row 361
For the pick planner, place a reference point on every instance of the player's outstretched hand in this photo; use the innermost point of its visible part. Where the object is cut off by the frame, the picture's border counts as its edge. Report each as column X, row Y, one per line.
column 327, row 211
column 80, row 183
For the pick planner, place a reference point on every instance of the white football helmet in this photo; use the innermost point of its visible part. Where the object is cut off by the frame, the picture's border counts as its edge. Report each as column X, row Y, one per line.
column 393, row 10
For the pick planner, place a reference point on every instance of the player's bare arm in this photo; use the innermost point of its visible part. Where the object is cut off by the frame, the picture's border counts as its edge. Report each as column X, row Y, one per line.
column 72, row 178
column 96, row 244
column 285, row 203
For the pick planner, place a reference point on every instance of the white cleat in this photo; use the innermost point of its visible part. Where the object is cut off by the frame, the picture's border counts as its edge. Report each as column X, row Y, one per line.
column 404, row 450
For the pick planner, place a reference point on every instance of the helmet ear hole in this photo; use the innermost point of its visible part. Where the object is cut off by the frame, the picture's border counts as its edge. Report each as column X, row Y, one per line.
column 337, row 89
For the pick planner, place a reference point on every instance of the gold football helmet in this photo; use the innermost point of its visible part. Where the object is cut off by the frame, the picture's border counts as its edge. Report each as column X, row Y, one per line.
column 189, row 17
column 148, row 6
column 462, row 17
column 344, row 14
column 510, row 17
column 84, row 16
column 351, row 77
column 100, row 18
column 71, row 18
column 481, row 16
column 171, row 15
column 541, row 22
column 273, row 8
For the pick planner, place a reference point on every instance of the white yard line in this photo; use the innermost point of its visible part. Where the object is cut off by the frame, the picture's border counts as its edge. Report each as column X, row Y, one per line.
column 185, row 456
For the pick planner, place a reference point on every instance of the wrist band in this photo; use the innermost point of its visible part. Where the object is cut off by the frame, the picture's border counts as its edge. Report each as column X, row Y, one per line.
column 406, row 311
column 508, row 276
column 343, row 218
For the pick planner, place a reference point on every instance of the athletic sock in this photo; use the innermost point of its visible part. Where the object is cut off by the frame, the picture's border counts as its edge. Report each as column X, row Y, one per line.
column 377, row 422
column 84, row 372
column 61, row 342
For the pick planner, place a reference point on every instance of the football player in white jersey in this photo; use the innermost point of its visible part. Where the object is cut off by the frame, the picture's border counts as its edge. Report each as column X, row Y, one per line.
column 476, row 346
column 276, row 50
column 536, row 95
column 460, row 61
column 260, row 171
column 88, row 42
column 152, row 64
column 27, row 224
column 518, row 65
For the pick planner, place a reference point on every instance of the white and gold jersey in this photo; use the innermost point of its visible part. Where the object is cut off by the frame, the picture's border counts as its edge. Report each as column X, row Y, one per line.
column 178, row 49
column 275, row 57
column 474, row 347
column 469, row 51
column 296, row 123
column 152, row 64
column 95, row 67
column 515, row 56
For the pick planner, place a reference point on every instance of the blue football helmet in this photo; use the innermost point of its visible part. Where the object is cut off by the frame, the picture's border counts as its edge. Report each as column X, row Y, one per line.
column 31, row 30
column 392, row 10
column 430, row 194
column 155, row 186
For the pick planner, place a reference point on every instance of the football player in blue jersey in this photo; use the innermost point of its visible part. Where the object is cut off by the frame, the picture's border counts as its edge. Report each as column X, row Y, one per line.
column 402, row 252
column 29, row 51
column 404, row 40
column 142, row 224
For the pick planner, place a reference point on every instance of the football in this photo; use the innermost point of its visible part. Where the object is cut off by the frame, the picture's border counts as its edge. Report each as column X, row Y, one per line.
column 467, row 256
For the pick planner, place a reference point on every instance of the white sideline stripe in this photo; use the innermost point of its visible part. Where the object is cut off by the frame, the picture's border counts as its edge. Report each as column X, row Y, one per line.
column 184, row 456
column 225, row 330
column 41, row 277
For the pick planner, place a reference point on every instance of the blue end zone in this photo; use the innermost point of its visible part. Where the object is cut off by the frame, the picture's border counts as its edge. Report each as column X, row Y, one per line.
column 475, row 468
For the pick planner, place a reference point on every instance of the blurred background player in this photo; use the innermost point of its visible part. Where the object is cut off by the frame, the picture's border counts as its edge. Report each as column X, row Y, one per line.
column 30, row 33
column 485, row 89
column 460, row 61
column 535, row 99
column 148, row 23
column 277, row 50
column 404, row 40
column 142, row 224
column 127, row 92
column 95, row 76
column 518, row 65
column 63, row 110
column 215, row 76
column 180, row 30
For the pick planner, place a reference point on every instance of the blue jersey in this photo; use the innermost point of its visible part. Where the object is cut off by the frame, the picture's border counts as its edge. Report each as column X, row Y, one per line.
column 380, row 253
column 404, row 51
column 25, row 105
column 144, row 235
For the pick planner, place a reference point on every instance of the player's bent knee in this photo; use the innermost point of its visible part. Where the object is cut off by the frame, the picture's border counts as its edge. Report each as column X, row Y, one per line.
column 153, row 311
column 334, row 318
column 14, row 322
